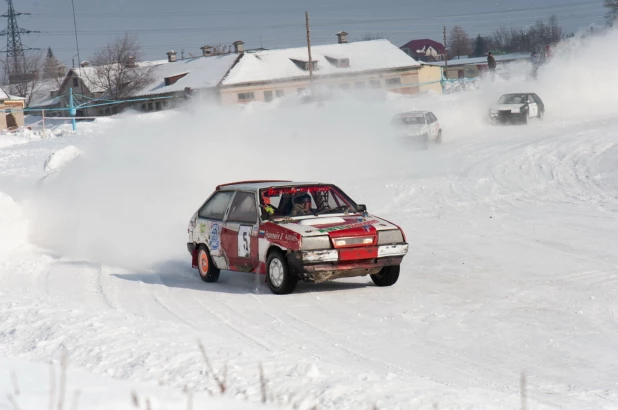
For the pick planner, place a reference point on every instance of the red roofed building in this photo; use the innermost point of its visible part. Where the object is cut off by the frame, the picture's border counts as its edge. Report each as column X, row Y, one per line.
column 425, row 50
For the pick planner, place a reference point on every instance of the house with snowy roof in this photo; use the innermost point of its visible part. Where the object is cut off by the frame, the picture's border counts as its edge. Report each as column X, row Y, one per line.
column 242, row 76
column 425, row 50
column 477, row 66
column 268, row 74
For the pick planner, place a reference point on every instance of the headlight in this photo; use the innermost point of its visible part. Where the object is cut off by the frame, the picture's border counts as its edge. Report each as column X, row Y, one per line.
column 392, row 250
column 390, row 236
column 354, row 241
column 316, row 242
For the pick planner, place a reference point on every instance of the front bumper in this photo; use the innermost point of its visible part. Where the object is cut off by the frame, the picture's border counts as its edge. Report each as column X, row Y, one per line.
column 328, row 264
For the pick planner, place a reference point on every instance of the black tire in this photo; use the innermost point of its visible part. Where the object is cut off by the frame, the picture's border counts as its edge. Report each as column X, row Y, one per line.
column 439, row 137
column 541, row 115
column 524, row 118
column 207, row 269
column 387, row 276
column 278, row 276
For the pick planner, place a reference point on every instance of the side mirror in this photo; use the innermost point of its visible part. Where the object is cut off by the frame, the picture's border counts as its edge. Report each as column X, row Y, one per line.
column 361, row 208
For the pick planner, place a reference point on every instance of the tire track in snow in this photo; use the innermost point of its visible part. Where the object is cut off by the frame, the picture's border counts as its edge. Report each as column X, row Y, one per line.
column 101, row 291
column 228, row 324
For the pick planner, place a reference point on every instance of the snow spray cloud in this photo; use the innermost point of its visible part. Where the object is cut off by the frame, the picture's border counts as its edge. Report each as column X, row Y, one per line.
column 126, row 201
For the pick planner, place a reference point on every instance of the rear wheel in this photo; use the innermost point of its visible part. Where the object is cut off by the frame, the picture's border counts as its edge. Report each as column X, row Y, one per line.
column 439, row 137
column 425, row 142
column 541, row 115
column 278, row 276
column 387, row 276
column 208, row 271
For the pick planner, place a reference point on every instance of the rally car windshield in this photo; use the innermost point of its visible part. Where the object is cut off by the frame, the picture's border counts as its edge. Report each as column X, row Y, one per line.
column 304, row 200
column 513, row 99
column 409, row 119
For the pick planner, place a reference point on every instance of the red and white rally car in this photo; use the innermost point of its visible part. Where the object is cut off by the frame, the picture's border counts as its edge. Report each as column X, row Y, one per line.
column 290, row 231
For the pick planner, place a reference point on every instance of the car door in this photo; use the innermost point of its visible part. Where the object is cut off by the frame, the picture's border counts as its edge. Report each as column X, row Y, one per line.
column 209, row 225
column 240, row 232
column 533, row 108
column 432, row 121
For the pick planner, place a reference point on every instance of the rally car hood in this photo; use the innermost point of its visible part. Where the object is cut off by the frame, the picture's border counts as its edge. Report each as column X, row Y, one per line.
column 322, row 225
column 506, row 107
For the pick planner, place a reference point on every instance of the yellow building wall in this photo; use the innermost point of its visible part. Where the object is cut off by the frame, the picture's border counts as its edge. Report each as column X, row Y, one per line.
column 409, row 85
column 470, row 71
column 430, row 76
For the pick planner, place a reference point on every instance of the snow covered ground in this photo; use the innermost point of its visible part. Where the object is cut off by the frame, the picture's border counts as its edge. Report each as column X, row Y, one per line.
column 513, row 267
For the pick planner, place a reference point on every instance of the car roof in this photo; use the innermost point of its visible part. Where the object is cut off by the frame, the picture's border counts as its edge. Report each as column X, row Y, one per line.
column 523, row 92
column 413, row 112
column 261, row 184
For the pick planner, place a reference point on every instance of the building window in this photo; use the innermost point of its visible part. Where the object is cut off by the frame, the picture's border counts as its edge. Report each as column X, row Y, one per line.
column 359, row 84
column 460, row 73
column 375, row 83
column 393, row 81
column 279, row 93
column 75, row 82
column 246, row 97
column 268, row 96
column 158, row 106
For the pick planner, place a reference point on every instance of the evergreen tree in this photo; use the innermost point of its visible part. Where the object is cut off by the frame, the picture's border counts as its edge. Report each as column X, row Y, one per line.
column 480, row 46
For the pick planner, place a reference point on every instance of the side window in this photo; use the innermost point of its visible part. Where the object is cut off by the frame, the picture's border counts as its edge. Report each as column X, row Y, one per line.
column 243, row 208
column 216, row 206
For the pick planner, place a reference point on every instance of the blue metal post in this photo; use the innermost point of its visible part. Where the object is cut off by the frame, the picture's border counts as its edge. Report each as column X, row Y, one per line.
column 72, row 110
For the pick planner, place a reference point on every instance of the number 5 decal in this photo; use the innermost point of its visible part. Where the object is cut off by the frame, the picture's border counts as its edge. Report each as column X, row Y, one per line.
column 244, row 241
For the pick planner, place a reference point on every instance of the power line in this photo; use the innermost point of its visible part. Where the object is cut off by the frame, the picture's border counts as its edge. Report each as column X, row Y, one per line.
column 15, row 58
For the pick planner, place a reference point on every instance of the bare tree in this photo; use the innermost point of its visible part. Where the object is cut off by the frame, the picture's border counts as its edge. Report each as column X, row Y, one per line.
column 372, row 36
column 115, row 69
column 612, row 12
column 459, row 42
column 24, row 77
column 536, row 38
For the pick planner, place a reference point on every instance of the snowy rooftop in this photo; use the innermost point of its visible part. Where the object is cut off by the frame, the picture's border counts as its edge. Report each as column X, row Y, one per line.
column 482, row 60
column 201, row 72
column 88, row 73
column 277, row 64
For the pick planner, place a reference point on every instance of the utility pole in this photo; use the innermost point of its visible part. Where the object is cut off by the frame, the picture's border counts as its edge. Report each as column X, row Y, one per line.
column 445, row 56
column 309, row 50
column 15, row 58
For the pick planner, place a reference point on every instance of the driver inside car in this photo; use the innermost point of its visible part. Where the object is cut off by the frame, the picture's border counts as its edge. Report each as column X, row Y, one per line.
column 302, row 205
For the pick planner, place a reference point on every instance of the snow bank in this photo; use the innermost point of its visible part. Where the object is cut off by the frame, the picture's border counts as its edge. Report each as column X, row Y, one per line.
column 61, row 158
column 29, row 385
column 12, row 224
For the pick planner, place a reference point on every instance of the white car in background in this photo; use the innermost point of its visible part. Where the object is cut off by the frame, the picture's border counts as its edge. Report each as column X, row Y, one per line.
column 419, row 126
column 517, row 107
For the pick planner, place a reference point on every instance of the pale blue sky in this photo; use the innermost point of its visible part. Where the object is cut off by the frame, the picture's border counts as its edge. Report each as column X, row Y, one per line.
column 162, row 25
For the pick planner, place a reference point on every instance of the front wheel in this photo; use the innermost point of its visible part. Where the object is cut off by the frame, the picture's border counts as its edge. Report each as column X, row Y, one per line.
column 278, row 276
column 387, row 276
column 208, row 271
